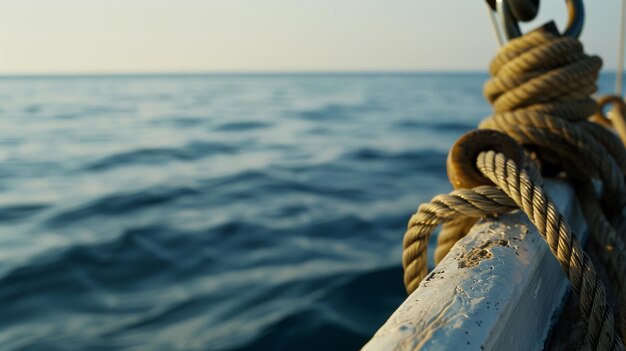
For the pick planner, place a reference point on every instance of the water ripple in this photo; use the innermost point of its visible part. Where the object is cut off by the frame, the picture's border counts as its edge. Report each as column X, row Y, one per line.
column 157, row 156
column 216, row 212
column 242, row 126
column 122, row 203
column 15, row 212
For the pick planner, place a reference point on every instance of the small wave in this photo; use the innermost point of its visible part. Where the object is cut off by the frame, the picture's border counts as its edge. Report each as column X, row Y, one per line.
column 242, row 126
column 265, row 183
column 343, row 314
column 436, row 126
column 68, row 116
column 181, row 122
column 30, row 169
column 104, row 109
column 15, row 212
column 97, row 284
column 337, row 111
column 303, row 331
column 149, row 250
column 431, row 161
column 189, row 152
column 319, row 131
column 11, row 141
column 369, row 154
column 246, row 177
column 349, row 226
column 32, row 109
column 385, row 293
column 121, row 203
column 236, row 236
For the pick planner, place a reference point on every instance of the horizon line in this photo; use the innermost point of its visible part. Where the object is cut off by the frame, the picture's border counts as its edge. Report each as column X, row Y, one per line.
column 244, row 72
column 233, row 72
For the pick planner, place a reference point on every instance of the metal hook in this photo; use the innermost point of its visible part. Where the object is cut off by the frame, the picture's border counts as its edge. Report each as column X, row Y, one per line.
column 509, row 19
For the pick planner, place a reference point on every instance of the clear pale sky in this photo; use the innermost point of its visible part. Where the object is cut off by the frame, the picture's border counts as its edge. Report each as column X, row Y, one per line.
column 89, row 36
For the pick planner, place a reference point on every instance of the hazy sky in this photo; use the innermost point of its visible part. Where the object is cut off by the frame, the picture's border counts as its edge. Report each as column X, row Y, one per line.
column 75, row 36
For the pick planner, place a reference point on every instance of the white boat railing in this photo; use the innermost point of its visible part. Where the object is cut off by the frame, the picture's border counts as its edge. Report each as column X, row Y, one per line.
column 499, row 288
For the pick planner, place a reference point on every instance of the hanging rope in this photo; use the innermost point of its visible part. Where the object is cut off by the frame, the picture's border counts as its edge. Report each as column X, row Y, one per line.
column 619, row 75
column 540, row 91
column 613, row 250
column 494, row 25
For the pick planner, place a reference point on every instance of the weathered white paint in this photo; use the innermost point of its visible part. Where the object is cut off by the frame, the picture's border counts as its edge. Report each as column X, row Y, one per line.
column 499, row 288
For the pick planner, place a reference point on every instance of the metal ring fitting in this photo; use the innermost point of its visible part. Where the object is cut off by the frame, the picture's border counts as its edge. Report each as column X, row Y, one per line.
column 600, row 117
column 461, row 162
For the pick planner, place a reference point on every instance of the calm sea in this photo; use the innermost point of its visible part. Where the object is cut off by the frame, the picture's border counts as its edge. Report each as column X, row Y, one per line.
column 216, row 212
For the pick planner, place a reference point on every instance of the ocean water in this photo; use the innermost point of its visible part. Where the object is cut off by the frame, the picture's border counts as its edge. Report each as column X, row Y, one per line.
column 216, row 212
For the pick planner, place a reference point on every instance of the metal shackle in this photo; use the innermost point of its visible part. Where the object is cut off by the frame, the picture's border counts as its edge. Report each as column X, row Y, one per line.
column 511, row 12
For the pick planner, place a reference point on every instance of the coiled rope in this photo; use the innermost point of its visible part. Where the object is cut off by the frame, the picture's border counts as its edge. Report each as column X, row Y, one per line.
column 540, row 91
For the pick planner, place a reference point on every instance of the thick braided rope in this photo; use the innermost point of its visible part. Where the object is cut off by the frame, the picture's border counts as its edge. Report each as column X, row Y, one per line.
column 516, row 189
column 613, row 254
column 562, row 242
column 474, row 202
column 570, row 142
column 532, row 65
column 540, row 92
column 457, row 212
column 588, row 149
column 457, row 228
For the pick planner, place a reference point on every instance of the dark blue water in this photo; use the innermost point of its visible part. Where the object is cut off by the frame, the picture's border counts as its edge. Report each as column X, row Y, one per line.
column 216, row 212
